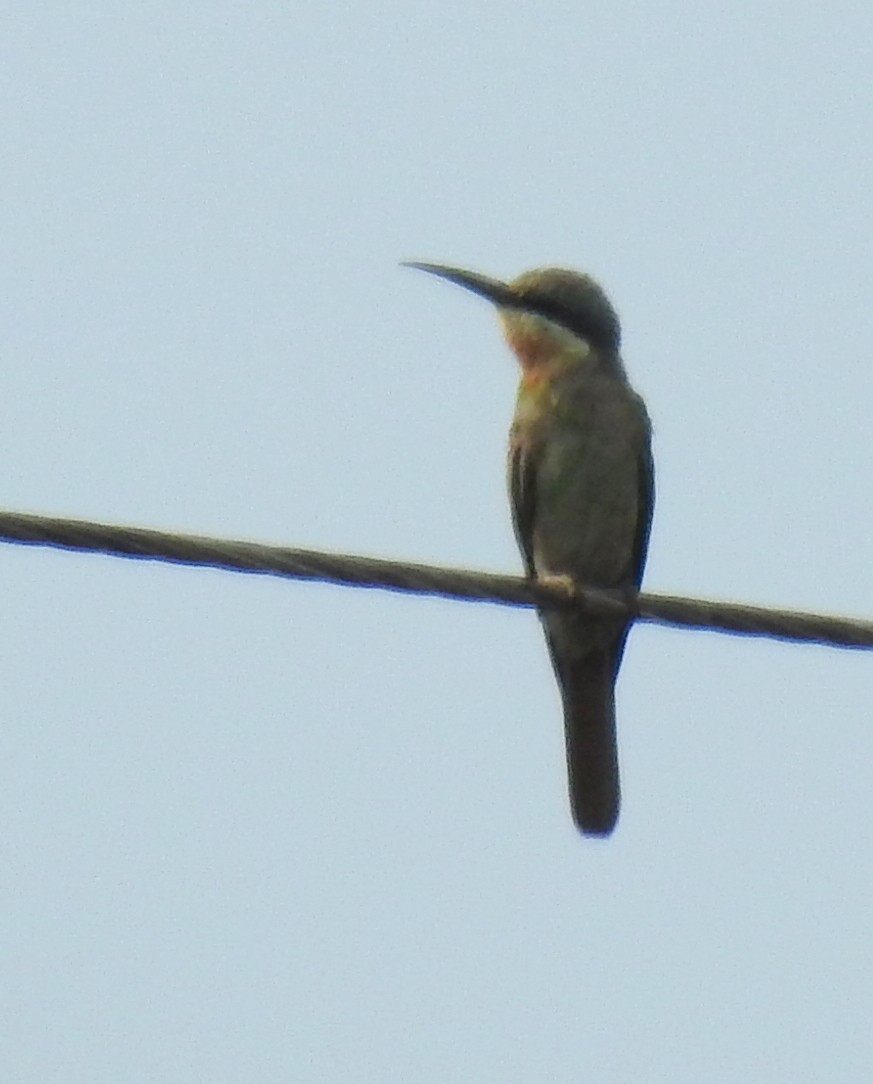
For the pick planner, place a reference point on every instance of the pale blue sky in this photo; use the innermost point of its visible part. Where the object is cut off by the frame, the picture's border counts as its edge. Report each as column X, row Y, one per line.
column 260, row 830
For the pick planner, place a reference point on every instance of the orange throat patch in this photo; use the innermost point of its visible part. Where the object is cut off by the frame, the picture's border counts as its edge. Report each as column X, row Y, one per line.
column 534, row 352
column 538, row 354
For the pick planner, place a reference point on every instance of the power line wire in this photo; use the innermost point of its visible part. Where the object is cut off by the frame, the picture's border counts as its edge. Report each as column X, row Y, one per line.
column 349, row 570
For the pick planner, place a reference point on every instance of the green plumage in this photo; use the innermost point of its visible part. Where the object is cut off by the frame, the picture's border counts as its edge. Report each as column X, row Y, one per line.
column 582, row 491
column 580, row 482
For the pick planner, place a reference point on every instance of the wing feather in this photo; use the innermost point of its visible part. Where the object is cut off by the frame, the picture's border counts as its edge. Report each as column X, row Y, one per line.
column 522, row 497
column 646, row 505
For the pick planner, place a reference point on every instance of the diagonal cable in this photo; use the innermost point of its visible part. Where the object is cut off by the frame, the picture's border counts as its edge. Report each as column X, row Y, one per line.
column 349, row 570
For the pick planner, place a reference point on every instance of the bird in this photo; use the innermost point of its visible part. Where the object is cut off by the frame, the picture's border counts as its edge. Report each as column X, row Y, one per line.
column 581, row 486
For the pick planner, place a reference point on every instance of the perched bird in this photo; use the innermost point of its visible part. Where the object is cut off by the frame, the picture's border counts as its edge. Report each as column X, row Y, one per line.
column 581, row 485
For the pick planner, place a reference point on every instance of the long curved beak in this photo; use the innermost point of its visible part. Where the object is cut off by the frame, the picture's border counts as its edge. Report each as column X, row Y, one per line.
column 499, row 293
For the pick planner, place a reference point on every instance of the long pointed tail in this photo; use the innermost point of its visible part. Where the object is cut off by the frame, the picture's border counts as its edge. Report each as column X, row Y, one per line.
column 592, row 756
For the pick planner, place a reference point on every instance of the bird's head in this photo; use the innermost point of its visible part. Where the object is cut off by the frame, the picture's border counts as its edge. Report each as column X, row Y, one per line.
column 545, row 312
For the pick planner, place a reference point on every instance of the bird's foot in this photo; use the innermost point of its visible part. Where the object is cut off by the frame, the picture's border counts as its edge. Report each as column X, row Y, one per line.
column 559, row 584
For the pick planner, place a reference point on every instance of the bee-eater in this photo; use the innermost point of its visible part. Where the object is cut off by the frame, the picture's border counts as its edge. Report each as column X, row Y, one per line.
column 581, row 485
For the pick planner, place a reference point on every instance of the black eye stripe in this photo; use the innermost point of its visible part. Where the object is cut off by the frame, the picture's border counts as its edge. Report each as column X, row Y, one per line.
column 598, row 331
